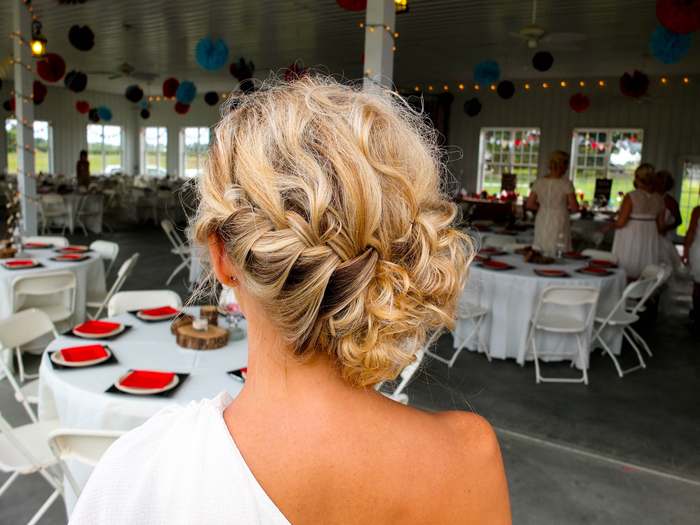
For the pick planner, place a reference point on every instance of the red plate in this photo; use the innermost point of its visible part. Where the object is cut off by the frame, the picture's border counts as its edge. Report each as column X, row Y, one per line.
column 147, row 379
column 96, row 327
column 479, row 257
column 595, row 271
column 78, row 354
column 20, row 263
column 601, row 263
column 157, row 312
column 37, row 245
column 551, row 273
column 73, row 249
column 69, row 257
column 495, row 265
column 491, row 251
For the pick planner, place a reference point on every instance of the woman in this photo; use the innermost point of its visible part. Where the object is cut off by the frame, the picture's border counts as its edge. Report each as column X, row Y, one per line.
column 691, row 258
column 663, row 184
column 82, row 170
column 639, row 222
column 322, row 207
column 553, row 198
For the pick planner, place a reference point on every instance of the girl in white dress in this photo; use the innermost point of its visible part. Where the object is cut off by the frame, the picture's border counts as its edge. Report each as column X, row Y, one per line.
column 663, row 184
column 553, row 198
column 691, row 258
column 639, row 222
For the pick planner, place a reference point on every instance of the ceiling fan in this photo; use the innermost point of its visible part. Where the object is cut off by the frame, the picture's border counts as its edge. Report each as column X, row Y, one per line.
column 126, row 70
column 534, row 35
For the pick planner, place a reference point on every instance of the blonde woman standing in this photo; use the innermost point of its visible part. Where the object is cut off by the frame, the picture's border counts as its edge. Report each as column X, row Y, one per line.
column 553, row 198
column 322, row 207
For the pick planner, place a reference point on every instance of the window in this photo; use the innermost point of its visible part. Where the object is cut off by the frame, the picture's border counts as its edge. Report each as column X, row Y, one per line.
column 690, row 188
column 508, row 150
column 194, row 144
column 154, row 149
column 605, row 154
column 43, row 146
column 104, row 149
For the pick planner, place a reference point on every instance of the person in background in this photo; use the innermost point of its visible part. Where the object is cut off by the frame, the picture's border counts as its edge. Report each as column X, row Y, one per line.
column 82, row 170
column 553, row 198
column 691, row 258
column 663, row 184
column 639, row 222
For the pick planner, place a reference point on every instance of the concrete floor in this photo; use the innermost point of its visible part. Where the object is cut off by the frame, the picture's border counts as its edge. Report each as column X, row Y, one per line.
column 618, row 451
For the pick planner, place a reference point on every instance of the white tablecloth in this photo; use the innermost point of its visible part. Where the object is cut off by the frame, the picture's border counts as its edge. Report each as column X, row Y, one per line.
column 77, row 397
column 512, row 297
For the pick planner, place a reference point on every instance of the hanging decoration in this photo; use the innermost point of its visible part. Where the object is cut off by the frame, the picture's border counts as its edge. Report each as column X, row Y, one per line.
column 186, row 92
column 39, row 91
column 487, row 72
column 170, row 86
column 294, row 73
column 181, row 108
column 679, row 16
column 145, row 114
column 82, row 38
column 243, row 71
column 542, row 61
column 104, row 113
column 211, row 98
column 211, row 56
column 82, row 106
column 76, row 81
column 51, row 68
column 579, row 102
column 133, row 93
column 505, row 89
column 669, row 47
column 352, row 5
column 9, row 105
column 472, row 107
column 93, row 115
column 634, row 86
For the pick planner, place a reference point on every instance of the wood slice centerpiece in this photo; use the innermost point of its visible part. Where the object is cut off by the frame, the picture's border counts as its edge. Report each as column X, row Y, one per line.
column 211, row 313
column 214, row 337
column 179, row 321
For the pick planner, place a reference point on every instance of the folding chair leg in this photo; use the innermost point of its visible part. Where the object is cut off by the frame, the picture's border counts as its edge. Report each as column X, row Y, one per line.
column 538, row 377
column 527, row 344
column 641, row 340
column 9, row 482
column 480, row 341
column 641, row 364
column 177, row 270
column 606, row 350
column 44, row 508
column 20, row 364
column 583, row 359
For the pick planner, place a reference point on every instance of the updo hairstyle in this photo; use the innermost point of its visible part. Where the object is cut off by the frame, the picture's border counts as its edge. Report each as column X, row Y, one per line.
column 558, row 160
column 331, row 206
column 645, row 173
column 665, row 180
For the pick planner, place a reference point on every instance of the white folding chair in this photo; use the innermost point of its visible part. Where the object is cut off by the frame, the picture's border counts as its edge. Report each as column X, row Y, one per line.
column 100, row 300
column 475, row 314
column 600, row 255
column 47, row 292
column 108, row 250
column 621, row 319
column 180, row 248
column 492, row 240
column 55, row 240
column 81, row 445
column 17, row 330
column 128, row 301
column 52, row 207
column 25, row 450
column 650, row 272
column 111, row 202
column 89, row 206
column 565, row 298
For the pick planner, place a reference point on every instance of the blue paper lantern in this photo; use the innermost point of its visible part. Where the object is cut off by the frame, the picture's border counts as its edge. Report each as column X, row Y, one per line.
column 487, row 72
column 186, row 92
column 669, row 47
column 211, row 56
column 104, row 113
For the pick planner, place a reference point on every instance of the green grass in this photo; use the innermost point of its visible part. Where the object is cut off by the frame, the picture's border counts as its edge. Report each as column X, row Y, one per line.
column 41, row 162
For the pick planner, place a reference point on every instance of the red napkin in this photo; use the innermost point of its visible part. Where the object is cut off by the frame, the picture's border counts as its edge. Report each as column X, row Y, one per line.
column 592, row 269
column 73, row 249
column 479, row 257
column 490, row 250
column 70, row 257
column 19, row 262
column 147, row 379
column 598, row 262
column 157, row 312
column 496, row 264
column 35, row 245
column 76, row 354
column 551, row 272
column 96, row 327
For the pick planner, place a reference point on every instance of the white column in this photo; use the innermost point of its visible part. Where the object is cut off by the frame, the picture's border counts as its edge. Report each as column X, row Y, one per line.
column 379, row 43
column 24, row 113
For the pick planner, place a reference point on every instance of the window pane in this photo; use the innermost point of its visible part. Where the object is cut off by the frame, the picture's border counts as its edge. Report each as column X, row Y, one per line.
column 11, row 131
column 690, row 193
column 94, row 136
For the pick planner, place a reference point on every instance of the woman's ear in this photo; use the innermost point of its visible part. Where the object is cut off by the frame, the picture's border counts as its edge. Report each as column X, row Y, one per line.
column 223, row 268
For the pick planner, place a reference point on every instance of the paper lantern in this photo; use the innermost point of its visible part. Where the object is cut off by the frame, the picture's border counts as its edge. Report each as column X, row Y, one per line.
column 39, row 91
column 487, row 72
column 133, row 93
column 211, row 98
column 104, row 113
column 669, row 47
column 51, row 68
column 145, row 114
column 170, row 87
column 211, row 56
column 76, row 81
column 542, row 61
column 472, row 107
column 679, row 16
column 9, row 105
column 82, row 106
column 82, row 38
column 634, row 86
column 505, row 89
column 352, row 5
column 294, row 73
column 181, row 108
column 186, row 92
column 579, row 102
column 93, row 115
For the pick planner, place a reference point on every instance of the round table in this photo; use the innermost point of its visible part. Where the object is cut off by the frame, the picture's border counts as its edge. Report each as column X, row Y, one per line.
column 512, row 296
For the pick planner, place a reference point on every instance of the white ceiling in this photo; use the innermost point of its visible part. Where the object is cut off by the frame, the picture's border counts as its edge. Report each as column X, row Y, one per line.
column 440, row 41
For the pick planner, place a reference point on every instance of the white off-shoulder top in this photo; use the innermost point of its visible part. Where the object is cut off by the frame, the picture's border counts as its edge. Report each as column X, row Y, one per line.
column 180, row 467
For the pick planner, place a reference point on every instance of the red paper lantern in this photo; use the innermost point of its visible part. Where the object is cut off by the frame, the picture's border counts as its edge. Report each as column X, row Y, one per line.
column 181, row 108
column 579, row 102
column 679, row 16
column 352, row 5
column 170, row 87
column 82, row 106
column 39, row 90
column 51, row 68
column 634, row 86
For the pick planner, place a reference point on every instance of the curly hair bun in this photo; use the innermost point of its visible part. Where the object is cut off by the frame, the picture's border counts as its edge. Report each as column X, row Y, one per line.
column 329, row 201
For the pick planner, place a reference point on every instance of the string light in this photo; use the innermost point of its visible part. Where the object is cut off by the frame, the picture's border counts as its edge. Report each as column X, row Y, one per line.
column 544, row 85
column 445, row 88
column 461, row 86
column 493, row 86
column 685, row 79
column 430, row 88
column 223, row 95
column 563, row 84
column 476, row 87
column 601, row 83
column 527, row 86
column 582, row 83
column 417, row 88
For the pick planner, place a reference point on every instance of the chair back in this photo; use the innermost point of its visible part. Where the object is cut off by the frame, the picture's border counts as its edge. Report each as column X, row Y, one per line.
column 567, row 297
column 52, row 202
column 637, row 290
column 10, row 453
column 23, row 327
column 44, row 284
column 84, row 446
column 108, row 250
column 124, row 272
column 496, row 241
column 600, row 255
column 56, row 240
column 126, row 301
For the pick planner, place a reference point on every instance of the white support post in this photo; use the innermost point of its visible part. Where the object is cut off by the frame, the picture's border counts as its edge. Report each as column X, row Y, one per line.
column 24, row 113
column 379, row 44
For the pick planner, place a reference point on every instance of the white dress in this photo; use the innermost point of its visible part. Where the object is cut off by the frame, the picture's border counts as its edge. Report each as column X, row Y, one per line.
column 667, row 250
column 180, row 467
column 694, row 258
column 637, row 242
column 553, row 214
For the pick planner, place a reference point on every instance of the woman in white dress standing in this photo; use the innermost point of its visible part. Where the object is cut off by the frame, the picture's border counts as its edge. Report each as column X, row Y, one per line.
column 691, row 258
column 639, row 222
column 663, row 184
column 553, row 198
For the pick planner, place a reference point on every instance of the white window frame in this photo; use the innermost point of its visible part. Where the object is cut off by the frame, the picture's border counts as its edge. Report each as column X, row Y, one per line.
column 104, row 154
column 511, row 163
column 161, row 154
column 200, row 154
column 49, row 140
column 606, row 169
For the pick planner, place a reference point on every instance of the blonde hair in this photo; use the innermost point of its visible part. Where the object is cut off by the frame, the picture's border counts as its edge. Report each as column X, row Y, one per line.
column 645, row 173
column 665, row 180
column 558, row 160
column 330, row 204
